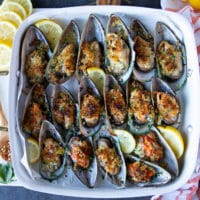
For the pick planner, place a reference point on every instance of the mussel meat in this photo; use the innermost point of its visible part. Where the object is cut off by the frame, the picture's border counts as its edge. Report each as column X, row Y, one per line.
column 83, row 160
column 118, row 54
column 119, row 49
column 144, row 50
column 143, row 173
column 170, row 56
column 170, row 60
column 148, row 147
column 91, row 107
column 35, row 55
column 165, row 101
column 62, row 65
column 115, row 101
column 63, row 108
column 36, row 110
column 153, row 147
column 52, row 152
column 141, row 112
column 110, row 158
column 92, row 46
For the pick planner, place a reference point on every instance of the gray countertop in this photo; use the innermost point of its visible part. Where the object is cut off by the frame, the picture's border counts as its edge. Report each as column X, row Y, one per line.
column 19, row 193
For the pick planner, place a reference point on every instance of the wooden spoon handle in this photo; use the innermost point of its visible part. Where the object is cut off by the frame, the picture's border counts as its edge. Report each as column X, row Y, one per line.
column 108, row 2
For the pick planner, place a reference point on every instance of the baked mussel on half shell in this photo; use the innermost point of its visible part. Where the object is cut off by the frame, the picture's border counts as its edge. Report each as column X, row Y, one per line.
column 35, row 56
column 64, row 109
column 141, row 112
column 92, row 46
column 91, row 104
column 115, row 103
column 154, row 148
column 145, row 62
column 36, row 110
column 120, row 55
column 62, row 64
column 52, row 152
column 166, row 103
column 83, row 159
column 110, row 158
column 170, row 56
column 143, row 173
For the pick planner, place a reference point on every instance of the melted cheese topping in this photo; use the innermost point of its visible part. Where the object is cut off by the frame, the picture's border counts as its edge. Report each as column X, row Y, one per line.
column 118, row 54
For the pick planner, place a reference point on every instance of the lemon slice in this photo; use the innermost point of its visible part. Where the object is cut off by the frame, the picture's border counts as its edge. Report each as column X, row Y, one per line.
column 51, row 30
column 5, row 57
column 97, row 75
column 7, row 32
column 33, row 150
column 14, row 7
column 11, row 17
column 126, row 140
column 174, row 139
column 25, row 3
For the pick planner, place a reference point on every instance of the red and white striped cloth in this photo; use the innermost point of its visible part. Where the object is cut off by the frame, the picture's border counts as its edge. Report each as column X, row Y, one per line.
column 191, row 189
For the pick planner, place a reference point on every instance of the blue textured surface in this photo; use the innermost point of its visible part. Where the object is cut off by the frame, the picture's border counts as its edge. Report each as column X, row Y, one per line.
column 18, row 193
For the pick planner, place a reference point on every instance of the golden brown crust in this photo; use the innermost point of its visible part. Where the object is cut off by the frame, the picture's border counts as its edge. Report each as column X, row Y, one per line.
column 36, row 63
column 148, row 147
column 116, row 105
column 141, row 106
column 38, row 94
column 81, row 153
column 118, row 54
column 140, row 172
column 51, row 154
column 64, row 110
column 33, row 119
column 91, row 110
column 168, row 108
column 91, row 55
column 64, row 64
column 109, row 159
column 145, row 56
column 170, row 60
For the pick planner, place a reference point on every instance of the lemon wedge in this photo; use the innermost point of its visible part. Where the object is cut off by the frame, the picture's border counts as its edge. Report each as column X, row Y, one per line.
column 126, row 140
column 173, row 138
column 51, row 30
column 97, row 75
column 5, row 57
column 7, row 32
column 194, row 3
column 12, row 17
column 33, row 150
column 14, row 7
column 25, row 3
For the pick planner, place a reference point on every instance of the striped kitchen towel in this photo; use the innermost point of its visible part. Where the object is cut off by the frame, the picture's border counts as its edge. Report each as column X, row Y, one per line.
column 191, row 189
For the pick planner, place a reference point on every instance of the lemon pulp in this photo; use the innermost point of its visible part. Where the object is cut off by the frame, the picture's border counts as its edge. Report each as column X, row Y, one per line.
column 51, row 30
column 33, row 150
column 126, row 140
column 173, row 138
column 97, row 75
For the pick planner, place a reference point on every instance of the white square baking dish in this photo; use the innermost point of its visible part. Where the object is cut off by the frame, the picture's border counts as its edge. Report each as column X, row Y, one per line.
column 191, row 96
